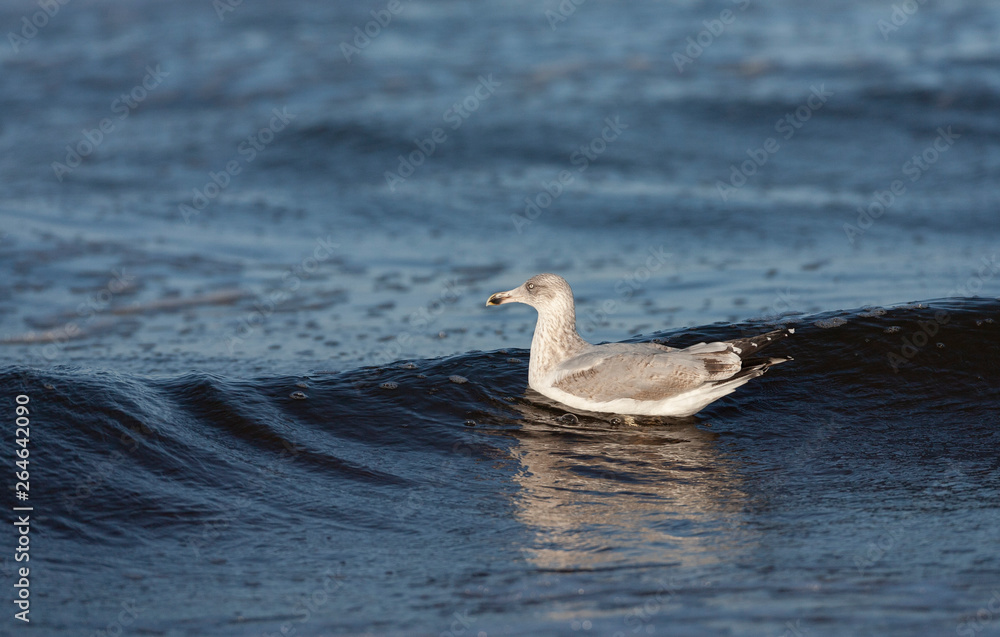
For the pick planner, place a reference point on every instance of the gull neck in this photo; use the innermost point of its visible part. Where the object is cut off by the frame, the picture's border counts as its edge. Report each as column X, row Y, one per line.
column 555, row 339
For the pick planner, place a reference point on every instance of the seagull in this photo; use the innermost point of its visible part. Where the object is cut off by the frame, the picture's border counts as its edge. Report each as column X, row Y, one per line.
column 640, row 379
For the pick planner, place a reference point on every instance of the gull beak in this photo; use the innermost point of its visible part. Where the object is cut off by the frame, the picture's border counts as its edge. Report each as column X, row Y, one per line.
column 499, row 297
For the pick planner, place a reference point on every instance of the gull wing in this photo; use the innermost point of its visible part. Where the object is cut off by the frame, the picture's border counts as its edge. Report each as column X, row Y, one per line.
column 644, row 371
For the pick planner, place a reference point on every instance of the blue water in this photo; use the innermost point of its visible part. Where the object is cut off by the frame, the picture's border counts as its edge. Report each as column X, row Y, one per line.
column 207, row 210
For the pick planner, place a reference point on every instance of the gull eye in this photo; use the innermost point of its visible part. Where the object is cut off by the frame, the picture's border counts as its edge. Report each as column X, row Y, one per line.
column 531, row 286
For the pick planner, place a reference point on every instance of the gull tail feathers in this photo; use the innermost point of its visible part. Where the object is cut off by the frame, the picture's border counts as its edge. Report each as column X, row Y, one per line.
column 746, row 347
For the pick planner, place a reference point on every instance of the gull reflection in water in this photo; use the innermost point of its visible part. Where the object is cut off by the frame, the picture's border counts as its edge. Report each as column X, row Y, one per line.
column 605, row 491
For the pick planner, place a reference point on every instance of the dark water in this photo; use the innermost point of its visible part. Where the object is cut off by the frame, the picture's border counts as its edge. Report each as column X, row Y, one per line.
column 834, row 495
column 205, row 210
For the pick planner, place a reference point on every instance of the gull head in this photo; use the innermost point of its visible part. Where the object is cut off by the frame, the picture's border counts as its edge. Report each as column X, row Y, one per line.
column 540, row 292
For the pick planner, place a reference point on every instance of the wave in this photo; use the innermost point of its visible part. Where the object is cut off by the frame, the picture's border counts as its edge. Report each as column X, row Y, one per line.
column 158, row 453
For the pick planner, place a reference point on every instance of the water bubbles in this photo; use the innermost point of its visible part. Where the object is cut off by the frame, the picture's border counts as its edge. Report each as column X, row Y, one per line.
column 826, row 324
column 569, row 419
column 892, row 329
column 389, row 385
column 873, row 312
column 513, row 360
column 298, row 395
column 458, row 380
column 302, row 385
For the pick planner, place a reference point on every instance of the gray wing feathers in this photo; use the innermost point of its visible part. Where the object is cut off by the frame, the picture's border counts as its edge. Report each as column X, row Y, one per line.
column 645, row 371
